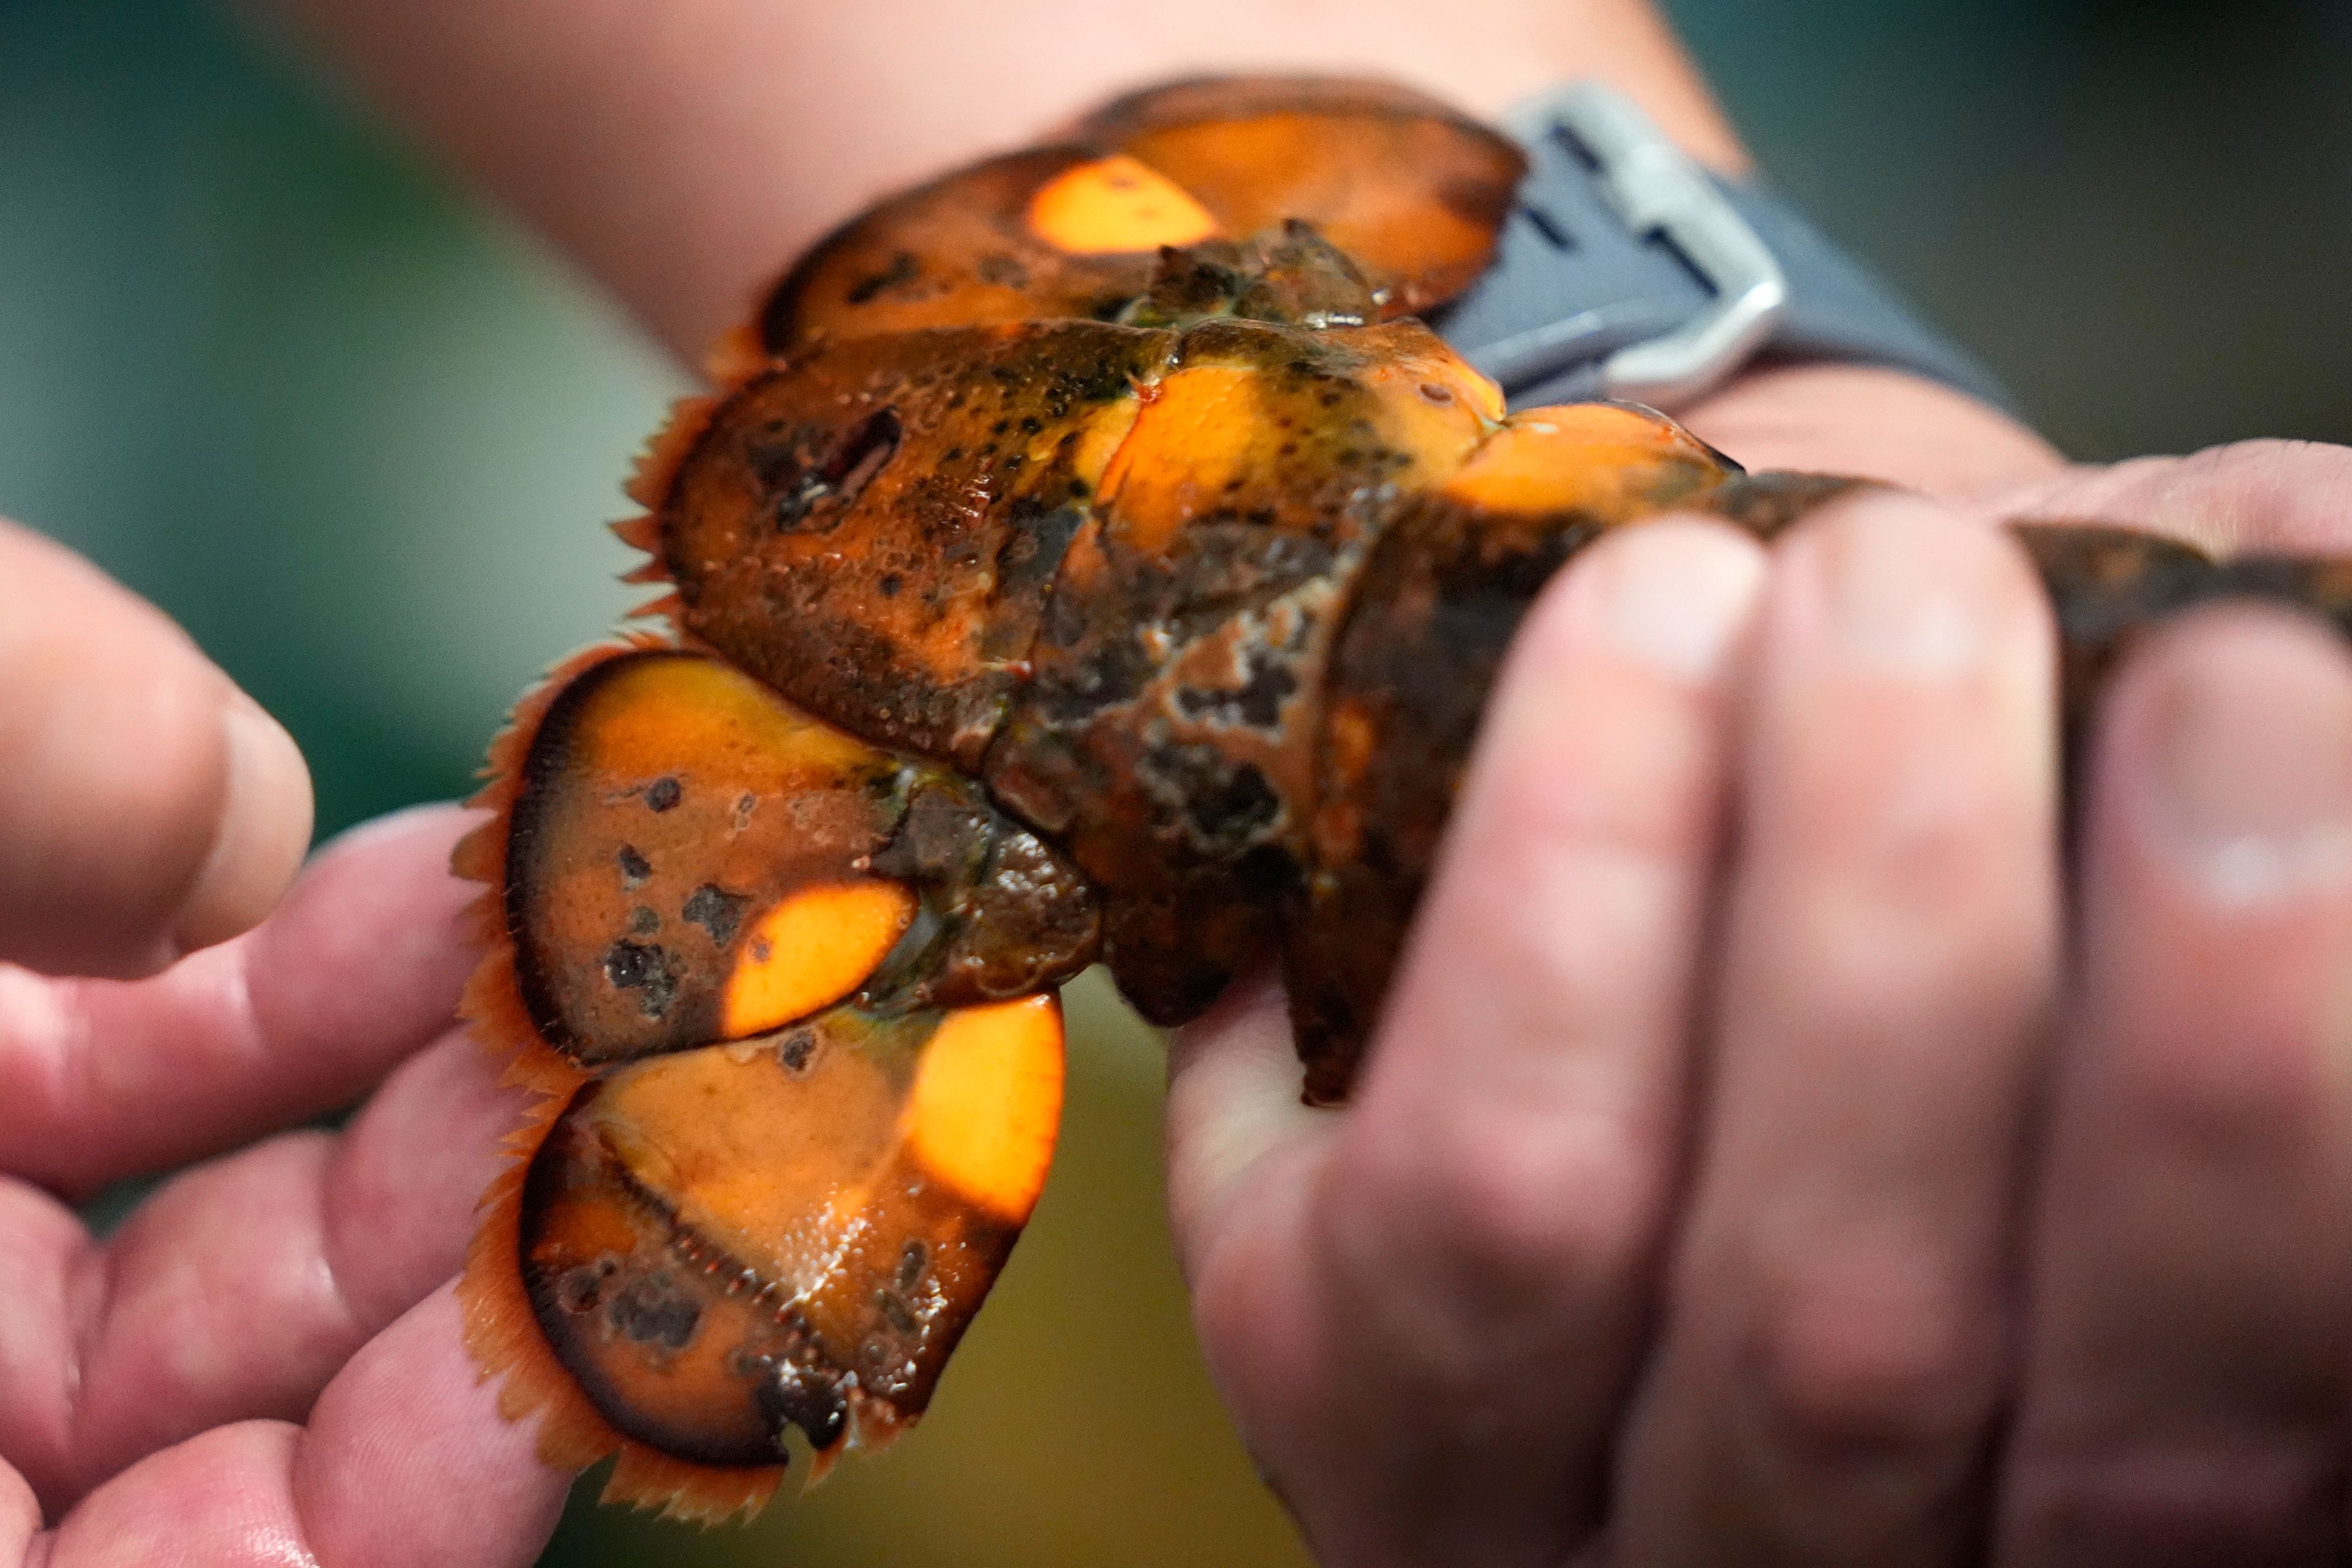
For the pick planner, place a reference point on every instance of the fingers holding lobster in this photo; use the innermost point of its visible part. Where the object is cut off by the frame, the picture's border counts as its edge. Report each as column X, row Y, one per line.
column 790, row 997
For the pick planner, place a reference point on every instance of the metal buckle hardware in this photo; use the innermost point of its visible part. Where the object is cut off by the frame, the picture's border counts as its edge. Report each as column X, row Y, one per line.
column 1655, row 189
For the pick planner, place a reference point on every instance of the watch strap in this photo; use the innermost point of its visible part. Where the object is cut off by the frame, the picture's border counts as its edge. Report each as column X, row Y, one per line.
column 1626, row 271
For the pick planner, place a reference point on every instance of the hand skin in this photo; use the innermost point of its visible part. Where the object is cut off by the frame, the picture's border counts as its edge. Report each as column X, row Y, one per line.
column 150, row 1384
column 156, row 1380
column 1683, row 1214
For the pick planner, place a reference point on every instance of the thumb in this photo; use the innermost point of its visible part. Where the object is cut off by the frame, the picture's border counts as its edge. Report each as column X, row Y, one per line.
column 148, row 807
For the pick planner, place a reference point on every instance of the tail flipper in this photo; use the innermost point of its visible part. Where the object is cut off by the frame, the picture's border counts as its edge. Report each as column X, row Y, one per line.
column 789, row 999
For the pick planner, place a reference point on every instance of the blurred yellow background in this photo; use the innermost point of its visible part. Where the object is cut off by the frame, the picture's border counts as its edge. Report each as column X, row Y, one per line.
column 267, row 368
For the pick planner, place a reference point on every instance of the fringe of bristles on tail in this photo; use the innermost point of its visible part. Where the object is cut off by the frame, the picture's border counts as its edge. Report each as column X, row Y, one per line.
column 501, row 1331
column 650, row 486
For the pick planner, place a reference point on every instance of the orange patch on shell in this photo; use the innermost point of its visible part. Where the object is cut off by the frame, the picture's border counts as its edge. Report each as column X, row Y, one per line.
column 1116, row 204
column 811, row 950
column 987, row 1102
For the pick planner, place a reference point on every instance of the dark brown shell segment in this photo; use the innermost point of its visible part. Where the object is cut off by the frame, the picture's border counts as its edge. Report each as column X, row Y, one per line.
column 2110, row 585
column 872, row 527
column 1410, row 190
column 1166, row 735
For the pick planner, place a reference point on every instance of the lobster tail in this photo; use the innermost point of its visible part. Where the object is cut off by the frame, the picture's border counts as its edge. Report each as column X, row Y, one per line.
column 801, row 1070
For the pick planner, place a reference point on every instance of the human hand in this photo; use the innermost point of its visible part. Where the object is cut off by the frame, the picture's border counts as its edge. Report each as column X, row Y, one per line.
column 1759, row 1160
column 261, row 1362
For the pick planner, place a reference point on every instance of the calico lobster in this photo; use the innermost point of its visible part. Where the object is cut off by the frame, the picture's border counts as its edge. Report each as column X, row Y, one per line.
column 1089, row 555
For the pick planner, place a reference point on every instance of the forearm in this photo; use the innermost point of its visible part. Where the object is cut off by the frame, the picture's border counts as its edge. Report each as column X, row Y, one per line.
column 684, row 154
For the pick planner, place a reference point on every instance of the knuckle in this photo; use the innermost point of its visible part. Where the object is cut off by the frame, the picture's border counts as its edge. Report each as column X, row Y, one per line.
column 1940, row 854
column 1575, row 944
column 1842, row 840
column 1877, row 890
column 2226, row 1094
column 1614, row 771
column 1933, row 938
column 1644, row 804
column 1508, row 1211
column 1909, row 809
column 1871, row 1350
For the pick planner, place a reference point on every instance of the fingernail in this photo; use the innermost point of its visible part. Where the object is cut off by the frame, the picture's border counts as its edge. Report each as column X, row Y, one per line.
column 1896, row 602
column 265, row 829
column 2253, row 774
column 1674, row 595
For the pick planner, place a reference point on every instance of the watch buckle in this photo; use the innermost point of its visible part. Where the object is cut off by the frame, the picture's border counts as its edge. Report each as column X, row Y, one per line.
column 1655, row 188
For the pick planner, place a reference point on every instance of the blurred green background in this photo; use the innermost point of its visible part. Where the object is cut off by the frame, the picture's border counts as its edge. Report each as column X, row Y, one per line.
column 273, row 371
